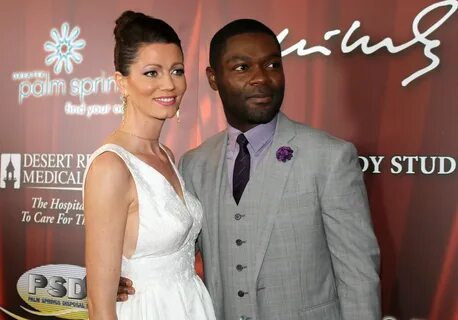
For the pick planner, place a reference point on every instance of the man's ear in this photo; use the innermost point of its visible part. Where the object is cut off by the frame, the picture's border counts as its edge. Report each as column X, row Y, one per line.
column 211, row 78
column 121, row 83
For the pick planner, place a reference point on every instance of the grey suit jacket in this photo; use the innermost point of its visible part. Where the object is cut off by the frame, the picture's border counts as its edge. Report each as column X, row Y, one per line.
column 315, row 253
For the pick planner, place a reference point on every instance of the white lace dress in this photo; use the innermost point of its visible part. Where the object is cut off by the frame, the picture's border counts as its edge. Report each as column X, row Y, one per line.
column 162, row 267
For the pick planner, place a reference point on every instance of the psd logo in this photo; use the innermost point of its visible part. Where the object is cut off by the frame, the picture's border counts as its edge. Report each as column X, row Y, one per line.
column 10, row 171
column 57, row 290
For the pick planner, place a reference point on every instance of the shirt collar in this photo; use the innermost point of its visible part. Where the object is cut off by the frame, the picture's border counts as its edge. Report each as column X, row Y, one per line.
column 257, row 137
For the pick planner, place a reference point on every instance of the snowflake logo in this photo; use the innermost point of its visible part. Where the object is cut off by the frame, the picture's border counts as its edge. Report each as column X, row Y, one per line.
column 64, row 48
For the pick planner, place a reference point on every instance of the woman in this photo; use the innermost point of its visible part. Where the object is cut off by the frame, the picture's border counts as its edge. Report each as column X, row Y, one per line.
column 140, row 221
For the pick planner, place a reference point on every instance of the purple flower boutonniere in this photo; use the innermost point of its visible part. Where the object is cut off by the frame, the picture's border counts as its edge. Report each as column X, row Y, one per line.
column 284, row 154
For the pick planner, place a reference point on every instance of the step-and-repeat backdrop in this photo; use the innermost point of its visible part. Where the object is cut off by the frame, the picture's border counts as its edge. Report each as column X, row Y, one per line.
column 381, row 74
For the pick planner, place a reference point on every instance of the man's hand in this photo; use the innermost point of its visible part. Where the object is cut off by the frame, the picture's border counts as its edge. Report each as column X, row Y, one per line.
column 124, row 289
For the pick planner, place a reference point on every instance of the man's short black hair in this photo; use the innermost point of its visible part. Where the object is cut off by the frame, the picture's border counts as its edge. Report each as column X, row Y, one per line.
column 236, row 27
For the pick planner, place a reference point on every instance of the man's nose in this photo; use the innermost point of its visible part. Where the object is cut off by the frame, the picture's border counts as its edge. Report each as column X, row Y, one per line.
column 259, row 76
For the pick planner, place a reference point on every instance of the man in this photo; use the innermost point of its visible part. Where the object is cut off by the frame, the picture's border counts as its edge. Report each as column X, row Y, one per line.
column 293, row 238
column 286, row 231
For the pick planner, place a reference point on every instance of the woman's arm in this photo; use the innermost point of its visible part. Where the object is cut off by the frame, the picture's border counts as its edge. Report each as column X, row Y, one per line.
column 107, row 196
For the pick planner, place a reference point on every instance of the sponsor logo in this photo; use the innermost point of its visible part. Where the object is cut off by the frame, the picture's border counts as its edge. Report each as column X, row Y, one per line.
column 57, row 290
column 63, row 54
column 408, row 164
column 10, row 171
column 64, row 48
column 368, row 47
column 59, row 171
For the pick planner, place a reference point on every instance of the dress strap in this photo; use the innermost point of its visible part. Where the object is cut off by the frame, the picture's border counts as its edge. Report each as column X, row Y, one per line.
column 109, row 147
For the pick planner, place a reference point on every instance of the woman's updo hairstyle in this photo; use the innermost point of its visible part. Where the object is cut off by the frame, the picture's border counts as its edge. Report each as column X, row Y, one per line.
column 134, row 29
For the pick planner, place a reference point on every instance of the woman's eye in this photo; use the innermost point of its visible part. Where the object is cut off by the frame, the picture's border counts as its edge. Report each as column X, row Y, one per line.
column 152, row 73
column 178, row 72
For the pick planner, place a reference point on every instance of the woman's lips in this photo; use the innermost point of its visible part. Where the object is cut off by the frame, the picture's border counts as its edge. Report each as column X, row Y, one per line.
column 166, row 101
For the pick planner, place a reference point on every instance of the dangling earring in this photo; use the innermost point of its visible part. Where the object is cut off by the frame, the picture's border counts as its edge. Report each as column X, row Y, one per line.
column 178, row 115
column 124, row 107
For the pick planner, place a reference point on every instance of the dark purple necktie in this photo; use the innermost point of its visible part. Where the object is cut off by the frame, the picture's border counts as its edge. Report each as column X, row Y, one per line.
column 241, row 173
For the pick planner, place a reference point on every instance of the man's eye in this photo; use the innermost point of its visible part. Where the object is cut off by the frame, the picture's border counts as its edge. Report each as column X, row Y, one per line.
column 178, row 72
column 152, row 73
column 274, row 65
column 241, row 67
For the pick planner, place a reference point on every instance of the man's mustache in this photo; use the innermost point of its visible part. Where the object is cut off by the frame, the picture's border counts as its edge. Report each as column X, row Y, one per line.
column 260, row 93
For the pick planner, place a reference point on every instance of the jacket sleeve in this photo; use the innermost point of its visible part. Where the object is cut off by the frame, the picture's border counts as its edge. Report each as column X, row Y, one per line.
column 182, row 164
column 350, row 236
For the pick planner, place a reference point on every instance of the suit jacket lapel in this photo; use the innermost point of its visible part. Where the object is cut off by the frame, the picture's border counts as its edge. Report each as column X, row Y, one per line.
column 274, row 175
